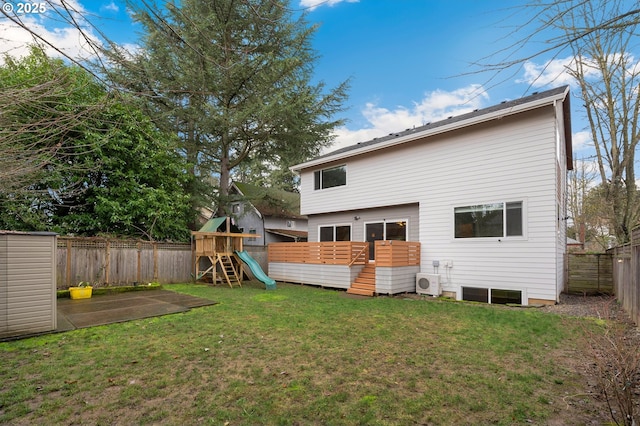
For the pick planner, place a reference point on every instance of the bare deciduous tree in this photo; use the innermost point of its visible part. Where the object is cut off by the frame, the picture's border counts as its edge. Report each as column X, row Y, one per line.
column 36, row 122
column 580, row 180
column 608, row 77
column 599, row 36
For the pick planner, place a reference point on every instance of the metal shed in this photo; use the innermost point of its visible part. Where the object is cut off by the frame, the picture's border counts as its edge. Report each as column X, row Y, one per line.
column 27, row 283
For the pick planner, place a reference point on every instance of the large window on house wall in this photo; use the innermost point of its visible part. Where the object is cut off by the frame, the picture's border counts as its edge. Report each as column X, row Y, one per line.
column 331, row 177
column 489, row 220
column 335, row 233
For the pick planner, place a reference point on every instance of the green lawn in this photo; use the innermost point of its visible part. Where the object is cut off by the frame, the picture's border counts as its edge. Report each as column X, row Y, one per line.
column 304, row 355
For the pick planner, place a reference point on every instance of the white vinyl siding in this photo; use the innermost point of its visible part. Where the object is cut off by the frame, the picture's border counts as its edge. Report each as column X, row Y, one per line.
column 513, row 158
column 393, row 280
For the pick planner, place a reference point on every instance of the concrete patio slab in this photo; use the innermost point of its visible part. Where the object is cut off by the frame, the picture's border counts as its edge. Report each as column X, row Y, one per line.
column 127, row 306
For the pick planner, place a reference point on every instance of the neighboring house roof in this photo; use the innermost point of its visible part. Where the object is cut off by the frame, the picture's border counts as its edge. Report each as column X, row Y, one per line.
column 270, row 201
column 501, row 110
column 290, row 233
column 218, row 224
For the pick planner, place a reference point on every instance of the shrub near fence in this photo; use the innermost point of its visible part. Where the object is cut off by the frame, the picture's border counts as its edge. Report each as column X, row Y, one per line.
column 108, row 262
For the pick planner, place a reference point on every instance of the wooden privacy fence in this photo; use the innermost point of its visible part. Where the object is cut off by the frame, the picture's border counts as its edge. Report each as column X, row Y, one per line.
column 589, row 273
column 328, row 252
column 626, row 265
column 107, row 262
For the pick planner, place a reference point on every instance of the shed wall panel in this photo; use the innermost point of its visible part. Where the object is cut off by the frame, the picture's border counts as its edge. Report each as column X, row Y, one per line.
column 27, row 284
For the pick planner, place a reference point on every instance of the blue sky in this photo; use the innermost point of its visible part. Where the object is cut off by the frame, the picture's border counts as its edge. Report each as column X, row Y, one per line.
column 408, row 60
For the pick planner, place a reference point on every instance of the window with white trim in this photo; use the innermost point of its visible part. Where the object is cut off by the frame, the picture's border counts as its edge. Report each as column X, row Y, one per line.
column 329, row 178
column 489, row 220
column 335, row 233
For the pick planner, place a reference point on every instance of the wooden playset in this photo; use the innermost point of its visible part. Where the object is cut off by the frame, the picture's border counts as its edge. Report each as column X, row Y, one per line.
column 219, row 248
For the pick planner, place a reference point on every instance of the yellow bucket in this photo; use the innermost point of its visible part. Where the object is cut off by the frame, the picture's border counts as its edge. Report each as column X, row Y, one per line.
column 80, row 292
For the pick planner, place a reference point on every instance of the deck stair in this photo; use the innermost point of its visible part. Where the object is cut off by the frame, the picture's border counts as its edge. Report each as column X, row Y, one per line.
column 229, row 271
column 365, row 283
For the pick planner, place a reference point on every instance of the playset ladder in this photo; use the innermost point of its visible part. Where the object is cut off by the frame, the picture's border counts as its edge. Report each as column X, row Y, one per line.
column 228, row 269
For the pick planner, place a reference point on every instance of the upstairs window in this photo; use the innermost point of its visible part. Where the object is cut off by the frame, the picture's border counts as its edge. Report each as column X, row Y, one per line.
column 489, row 220
column 331, row 177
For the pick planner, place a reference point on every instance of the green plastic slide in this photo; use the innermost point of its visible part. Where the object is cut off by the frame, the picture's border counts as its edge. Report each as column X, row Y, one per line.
column 256, row 270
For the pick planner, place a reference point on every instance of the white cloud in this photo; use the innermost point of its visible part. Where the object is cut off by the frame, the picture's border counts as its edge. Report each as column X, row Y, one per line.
column 434, row 106
column 555, row 72
column 313, row 4
column 49, row 26
column 552, row 72
column 110, row 7
column 581, row 140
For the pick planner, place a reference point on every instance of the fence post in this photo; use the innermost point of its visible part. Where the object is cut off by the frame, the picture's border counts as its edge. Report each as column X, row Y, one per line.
column 139, row 266
column 68, row 263
column 107, row 265
column 598, row 257
column 194, row 269
column 633, row 279
column 155, row 261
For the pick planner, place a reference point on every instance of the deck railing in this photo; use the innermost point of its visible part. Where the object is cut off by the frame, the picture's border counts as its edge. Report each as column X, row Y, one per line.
column 329, row 253
column 388, row 253
column 397, row 253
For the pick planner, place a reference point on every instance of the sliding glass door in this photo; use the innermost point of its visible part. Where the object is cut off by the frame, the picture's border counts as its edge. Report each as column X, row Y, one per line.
column 374, row 231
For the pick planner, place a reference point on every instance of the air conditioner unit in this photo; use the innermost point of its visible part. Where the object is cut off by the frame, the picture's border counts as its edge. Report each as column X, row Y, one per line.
column 428, row 284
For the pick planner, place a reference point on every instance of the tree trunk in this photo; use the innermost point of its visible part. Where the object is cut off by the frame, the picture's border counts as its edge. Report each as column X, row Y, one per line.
column 225, row 174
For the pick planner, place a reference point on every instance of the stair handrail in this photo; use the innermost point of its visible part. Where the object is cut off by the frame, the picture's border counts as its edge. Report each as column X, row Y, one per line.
column 364, row 249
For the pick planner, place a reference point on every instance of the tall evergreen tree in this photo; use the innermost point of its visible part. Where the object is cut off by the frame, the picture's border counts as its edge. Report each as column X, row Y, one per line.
column 233, row 78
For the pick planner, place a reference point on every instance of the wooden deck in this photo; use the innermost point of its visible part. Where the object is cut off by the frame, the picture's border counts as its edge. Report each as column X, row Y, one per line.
column 346, row 255
column 325, row 253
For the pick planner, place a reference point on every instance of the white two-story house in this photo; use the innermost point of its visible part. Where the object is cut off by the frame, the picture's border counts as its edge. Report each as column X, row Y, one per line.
column 483, row 193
